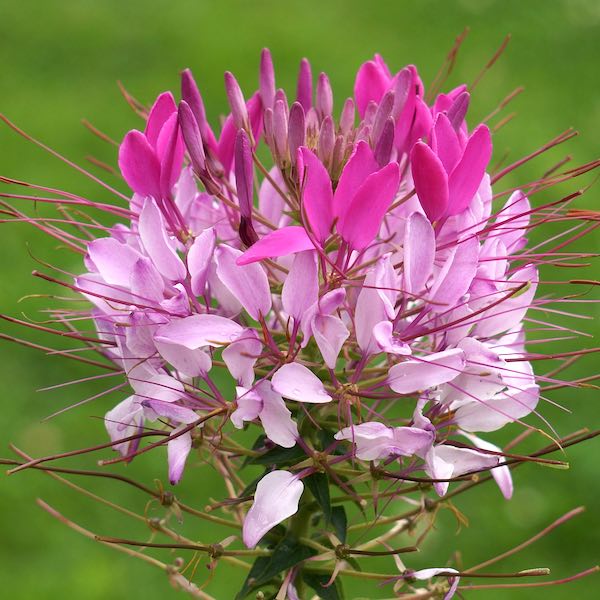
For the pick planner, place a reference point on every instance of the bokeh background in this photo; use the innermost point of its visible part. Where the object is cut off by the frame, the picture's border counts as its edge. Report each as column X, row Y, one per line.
column 60, row 61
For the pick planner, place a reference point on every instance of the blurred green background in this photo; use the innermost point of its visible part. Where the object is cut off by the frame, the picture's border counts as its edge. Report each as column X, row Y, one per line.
column 60, row 61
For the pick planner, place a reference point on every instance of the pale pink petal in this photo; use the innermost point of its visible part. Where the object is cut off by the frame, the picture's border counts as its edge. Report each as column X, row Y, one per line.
column 241, row 355
column 425, row 574
column 249, row 405
column 330, row 333
column 198, row 259
column 383, row 333
column 281, row 242
column 297, row 382
column 157, row 244
column 370, row 310
column 146, row 283
column 317, row 196
column 139, row 164
column 113, row 260
column 275, row 417
column 124, row 420
column 198, row 331
column 178, row 449
column 169, row 410
column 413, row 375
column 361, row 218
column 191, row 363
column 301, row 286
column 248, row 283
column 456, row 275
column 431, row 181
column 276, row 498
column 419, row 252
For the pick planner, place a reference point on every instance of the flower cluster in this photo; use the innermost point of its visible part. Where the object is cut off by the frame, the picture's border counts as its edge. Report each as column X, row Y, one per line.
column 360, row 303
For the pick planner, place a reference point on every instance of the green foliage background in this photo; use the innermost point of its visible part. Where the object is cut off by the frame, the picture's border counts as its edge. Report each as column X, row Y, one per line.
column 59, row 63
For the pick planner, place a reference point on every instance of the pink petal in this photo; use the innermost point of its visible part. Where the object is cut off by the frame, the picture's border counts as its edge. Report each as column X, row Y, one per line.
column 164, row 106
column 147, row 284
column 139, row 164
column 301, row 286
column 170, row 410
column 281, row 242
column 383, row 333
column 199, row 257
column 431, row 181
column 466, row 177
column 276, row 498
column 362, row 218
column 419, row 252
column 414, row 375
column 198, row 331
column 157, row 244
column 248, row 283
column 317, row 197
column 124, row 420
column 297, row 382
column 359, row 166
column 178, row 449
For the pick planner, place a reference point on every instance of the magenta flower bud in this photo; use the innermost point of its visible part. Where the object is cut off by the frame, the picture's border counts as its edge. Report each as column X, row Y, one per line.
column 458, row 110
column 370, row 113
column 385, row 143
column 266, row 79
column 280, row 95
column 384, row 111
column 304, row 88
column 244, row 172
column 324, row 100
column 239, row 112
column 296, row 130
column 192, row 138
column 280, row 129
column 402, row 90
column 326, row 139
column 191, row 95
column 347, row 117
column 268, row 126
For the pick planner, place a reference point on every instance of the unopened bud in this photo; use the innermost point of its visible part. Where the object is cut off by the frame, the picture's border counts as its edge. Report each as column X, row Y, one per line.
column 347, row 117
column 304, row 88
column 296, row 129
column 324, row 100
column 326, row 140
column 239, row 112
column 267, row 79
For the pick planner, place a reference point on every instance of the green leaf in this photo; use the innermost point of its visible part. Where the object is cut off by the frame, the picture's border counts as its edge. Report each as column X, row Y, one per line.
column 318, row 484
column 279, row 456
column 339, row 520
column 286, row 554
column 316, row 581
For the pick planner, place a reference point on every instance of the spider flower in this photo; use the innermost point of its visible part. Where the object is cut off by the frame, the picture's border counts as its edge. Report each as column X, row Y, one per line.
column 359, row 304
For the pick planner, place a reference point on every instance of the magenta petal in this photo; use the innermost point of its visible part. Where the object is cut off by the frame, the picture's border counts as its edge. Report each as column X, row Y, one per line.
column 178, row 449
column 297, row 382
column 431, row 181
column 157, row 244
column 276, row 498
column 359, row 166
column 445, row 143
column 170, row 150
column 317, row 196
column 248, row 283
column 371, row 83
column 419, row 252
column 466, row 177
column 362, row 218
column 197, row 331
column 414, row 375
column 139, row 165
column 164, row 106
column 281, row 242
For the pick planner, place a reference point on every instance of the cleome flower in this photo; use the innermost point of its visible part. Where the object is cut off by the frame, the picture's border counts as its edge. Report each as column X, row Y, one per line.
column 361, row 304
